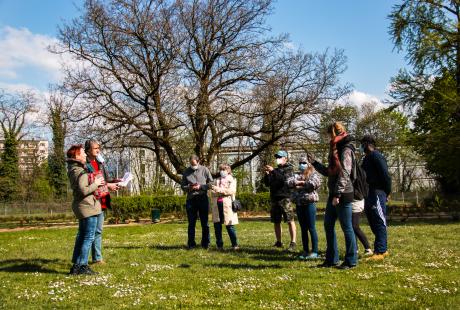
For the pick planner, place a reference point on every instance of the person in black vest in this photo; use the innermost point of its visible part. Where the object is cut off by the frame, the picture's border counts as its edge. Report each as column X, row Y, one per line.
column 280, row 196
column 379, row 181
column 341, row 194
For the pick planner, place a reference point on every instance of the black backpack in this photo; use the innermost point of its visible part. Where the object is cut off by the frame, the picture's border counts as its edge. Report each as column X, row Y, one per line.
column 359, row 179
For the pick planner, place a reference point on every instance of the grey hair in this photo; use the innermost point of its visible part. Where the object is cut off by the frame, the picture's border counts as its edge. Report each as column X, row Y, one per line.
column 89, row 143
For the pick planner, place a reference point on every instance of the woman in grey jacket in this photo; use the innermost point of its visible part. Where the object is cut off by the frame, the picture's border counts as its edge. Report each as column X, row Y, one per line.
column 341, row 193
column 85, row 206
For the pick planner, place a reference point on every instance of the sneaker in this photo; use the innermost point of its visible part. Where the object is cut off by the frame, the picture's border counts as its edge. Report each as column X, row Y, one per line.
column 302, row 256
column 84, row 269
column 292, row 247
column 99, row 262
column 368, row 252
column 376, row 256
column 74, row 270
column 345, row 266
column 326, row 265
column 278, row 244
column 235, row 248
column 385, row 254
column 313, row 255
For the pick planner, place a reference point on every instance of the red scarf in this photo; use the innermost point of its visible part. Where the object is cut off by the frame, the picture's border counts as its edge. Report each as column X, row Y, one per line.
column 335, row 166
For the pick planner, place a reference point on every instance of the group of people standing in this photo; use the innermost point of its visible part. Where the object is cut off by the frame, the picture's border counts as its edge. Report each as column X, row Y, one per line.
column 91, row 186
column 288, row 188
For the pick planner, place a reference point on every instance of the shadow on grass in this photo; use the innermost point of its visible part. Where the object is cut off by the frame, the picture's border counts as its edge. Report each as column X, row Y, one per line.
column 243, row 266
column 29, row 265
column 161, row 247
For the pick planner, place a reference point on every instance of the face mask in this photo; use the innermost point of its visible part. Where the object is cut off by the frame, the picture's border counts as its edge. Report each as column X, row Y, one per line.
column 100, row 158
column 302, row 167
column 279, row 161
column 194, row 167
column 223, row 174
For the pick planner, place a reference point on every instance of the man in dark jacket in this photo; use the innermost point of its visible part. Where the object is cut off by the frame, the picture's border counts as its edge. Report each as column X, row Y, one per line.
column 280, row 196
column 196, row 181
column 379, row 181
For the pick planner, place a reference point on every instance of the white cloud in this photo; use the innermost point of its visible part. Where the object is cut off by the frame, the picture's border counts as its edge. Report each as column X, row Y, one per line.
column 22, row 49
column 358, row 99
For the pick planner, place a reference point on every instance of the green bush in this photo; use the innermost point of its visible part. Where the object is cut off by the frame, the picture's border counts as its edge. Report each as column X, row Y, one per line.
column 124, row 208
column 255, row 202
column 141, row 206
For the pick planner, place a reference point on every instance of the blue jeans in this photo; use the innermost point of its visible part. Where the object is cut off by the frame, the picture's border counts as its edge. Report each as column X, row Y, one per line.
column 96, row 247
column 84, row 239
column 376, row 210
column 198, row 206
column 306, row 214
column 218, row 228
column 343, row 212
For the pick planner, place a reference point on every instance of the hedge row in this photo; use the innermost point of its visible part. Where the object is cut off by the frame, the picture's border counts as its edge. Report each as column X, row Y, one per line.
column 141, row 206
column 136, row 207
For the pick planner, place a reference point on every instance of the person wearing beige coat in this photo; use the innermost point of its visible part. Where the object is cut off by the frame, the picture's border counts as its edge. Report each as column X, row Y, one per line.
column 85, row 206
column 223, row 194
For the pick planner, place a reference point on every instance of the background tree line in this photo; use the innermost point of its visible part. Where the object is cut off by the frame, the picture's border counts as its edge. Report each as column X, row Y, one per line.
column 198, row 76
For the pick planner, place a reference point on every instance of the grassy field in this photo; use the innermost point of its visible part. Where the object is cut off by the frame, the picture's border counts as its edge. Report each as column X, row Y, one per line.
column 148, row 267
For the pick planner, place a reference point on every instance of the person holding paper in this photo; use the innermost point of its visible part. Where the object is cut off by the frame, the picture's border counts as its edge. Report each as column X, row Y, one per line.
column 196, row 181
column 95, row 164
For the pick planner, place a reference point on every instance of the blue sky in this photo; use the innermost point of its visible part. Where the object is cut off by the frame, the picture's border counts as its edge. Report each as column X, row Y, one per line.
column 360, row 27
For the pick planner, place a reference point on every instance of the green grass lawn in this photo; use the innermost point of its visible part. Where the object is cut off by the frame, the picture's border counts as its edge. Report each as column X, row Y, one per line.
column 148, row 267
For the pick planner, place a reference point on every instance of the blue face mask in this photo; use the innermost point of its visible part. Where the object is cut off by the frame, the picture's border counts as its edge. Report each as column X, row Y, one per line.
column 302, row 167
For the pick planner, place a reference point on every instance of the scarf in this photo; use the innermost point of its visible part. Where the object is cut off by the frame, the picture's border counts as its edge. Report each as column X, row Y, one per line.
column 335, row 166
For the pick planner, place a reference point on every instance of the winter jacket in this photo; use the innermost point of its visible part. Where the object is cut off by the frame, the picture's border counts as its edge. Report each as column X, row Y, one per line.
column 277, row 181
column 340, row 185
column 306, row 193
column 84, row 203
column 377, row 175
column 225, row 188
column 200, row 176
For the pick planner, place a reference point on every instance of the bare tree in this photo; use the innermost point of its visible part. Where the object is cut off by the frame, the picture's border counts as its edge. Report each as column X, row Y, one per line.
column 178, row 77
column 14, row 109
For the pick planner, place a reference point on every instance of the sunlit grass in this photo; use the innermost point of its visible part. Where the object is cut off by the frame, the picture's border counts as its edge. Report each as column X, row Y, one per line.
column 149, row 267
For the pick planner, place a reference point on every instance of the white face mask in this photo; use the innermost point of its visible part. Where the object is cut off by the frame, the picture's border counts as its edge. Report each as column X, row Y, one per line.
column 100, row 158
column 223, row 174
column 194, row 167
column 279, row 161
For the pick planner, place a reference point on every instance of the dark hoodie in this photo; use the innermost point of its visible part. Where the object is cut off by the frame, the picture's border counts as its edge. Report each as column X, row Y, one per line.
column 277, row 181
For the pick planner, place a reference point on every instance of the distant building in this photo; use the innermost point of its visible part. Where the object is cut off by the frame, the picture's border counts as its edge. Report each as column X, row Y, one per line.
column 31, row 153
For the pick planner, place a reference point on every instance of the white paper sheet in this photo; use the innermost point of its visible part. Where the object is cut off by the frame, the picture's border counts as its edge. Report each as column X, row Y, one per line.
column 126, row 179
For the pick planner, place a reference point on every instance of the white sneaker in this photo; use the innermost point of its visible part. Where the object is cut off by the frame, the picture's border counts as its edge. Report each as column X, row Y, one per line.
column 368, row 252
